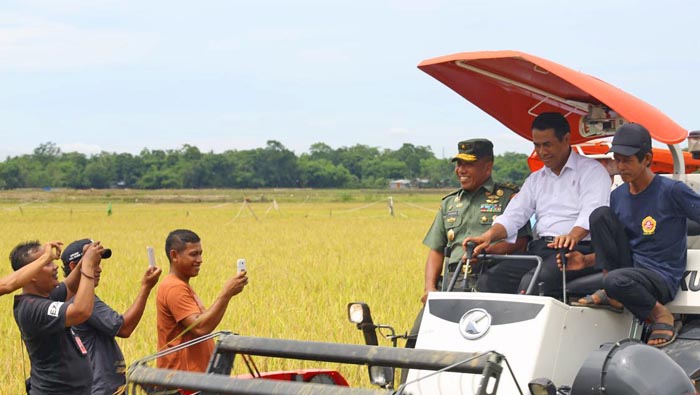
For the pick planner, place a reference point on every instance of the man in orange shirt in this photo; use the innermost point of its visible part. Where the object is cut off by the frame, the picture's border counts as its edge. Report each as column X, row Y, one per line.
column 181, row 314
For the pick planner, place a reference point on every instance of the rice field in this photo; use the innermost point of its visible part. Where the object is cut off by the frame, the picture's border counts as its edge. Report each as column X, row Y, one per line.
column 308, row 255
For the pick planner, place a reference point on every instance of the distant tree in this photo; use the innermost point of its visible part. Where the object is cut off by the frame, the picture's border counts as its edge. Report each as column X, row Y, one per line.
column 411, row 156
column 11, row 175
column 46, row 151
column 322, row 151
column 511, row 167
column 277, row 165
column 438, row 172
column 271, row 166
column 97, row 174
column 352, row 157
column 322, row 173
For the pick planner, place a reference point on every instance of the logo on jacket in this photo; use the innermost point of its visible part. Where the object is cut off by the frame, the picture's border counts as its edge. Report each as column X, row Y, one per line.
column 648, row 225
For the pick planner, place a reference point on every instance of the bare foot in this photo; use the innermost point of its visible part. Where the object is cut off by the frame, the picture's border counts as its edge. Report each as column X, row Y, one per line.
column 574, row 261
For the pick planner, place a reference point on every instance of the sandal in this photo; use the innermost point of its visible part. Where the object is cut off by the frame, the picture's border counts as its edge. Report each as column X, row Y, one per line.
column 603, row 302
column 668, row 339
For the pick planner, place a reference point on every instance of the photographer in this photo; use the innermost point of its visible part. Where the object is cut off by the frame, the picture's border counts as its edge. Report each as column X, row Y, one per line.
column 21, row 277
column 181, row 315
column 58, row 357
column 99, row 331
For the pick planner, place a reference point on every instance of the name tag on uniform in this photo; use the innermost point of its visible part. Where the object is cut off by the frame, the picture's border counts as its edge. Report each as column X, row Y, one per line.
column 451, row 216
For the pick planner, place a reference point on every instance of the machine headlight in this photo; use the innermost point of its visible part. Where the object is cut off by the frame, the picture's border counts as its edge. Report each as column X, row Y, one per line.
column 356, row 312
column 542, row 386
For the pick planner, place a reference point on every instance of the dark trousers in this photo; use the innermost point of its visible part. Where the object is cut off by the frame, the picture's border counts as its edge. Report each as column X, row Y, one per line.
column 515, row 276
column 638, row 289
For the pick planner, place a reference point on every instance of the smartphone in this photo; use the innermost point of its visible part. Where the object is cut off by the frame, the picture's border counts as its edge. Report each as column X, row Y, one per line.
column 151, row 256
column 241, row 265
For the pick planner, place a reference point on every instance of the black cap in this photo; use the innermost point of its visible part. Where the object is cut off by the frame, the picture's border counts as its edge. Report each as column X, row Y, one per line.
column 631, row 138
column 74, row 251
column 471, row 150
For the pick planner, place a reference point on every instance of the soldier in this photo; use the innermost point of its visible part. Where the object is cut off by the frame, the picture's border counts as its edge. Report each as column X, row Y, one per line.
column 469, row 211
column 465, row 212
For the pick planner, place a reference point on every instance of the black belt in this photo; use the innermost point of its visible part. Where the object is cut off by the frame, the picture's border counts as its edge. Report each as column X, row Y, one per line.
column 550, row 239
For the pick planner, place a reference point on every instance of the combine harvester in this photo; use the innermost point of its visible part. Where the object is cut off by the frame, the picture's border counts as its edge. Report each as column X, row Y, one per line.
column 480, row 344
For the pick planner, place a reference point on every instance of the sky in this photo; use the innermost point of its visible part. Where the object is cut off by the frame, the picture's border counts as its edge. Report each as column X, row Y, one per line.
column 121, row 76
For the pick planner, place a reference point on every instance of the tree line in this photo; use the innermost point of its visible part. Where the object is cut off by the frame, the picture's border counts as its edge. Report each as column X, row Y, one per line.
column 273, row 166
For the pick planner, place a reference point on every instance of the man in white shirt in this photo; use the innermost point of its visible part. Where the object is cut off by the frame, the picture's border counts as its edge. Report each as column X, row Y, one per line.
column 561, row 196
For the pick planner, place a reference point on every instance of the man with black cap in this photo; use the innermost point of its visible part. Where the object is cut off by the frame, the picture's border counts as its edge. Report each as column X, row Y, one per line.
column 59, row 360
column 561, row 196
column 641, row 238
column 99, row 331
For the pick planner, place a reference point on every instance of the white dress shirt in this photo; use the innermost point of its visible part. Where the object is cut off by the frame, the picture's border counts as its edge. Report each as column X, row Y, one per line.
column 559, row 202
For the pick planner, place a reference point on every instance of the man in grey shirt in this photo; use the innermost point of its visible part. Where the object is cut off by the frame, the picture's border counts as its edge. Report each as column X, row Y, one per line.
column 99, row 331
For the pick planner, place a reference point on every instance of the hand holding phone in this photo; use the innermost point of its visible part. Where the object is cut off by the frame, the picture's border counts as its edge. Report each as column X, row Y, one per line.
column 151, row 257
column 241, row 265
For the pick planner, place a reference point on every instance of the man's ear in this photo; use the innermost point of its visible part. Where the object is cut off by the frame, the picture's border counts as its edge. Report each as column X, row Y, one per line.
column 72, row 265
column 172, row 255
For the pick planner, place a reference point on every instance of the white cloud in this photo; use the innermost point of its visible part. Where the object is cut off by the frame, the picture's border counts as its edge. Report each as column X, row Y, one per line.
column 37, row 45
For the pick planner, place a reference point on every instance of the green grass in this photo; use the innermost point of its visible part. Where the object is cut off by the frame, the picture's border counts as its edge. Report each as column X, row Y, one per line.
column 305, row 261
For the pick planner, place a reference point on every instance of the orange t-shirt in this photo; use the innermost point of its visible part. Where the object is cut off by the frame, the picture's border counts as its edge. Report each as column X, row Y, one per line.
column 176, row 301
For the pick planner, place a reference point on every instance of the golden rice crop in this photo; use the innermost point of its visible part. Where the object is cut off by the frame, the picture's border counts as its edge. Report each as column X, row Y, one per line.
column 305, row 263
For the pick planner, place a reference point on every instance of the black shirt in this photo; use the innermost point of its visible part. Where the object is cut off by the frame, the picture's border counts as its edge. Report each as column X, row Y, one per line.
column 58, row 365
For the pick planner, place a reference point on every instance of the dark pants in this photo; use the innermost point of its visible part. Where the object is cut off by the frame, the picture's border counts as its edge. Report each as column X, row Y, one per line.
column 515, row 276
column 636, row 288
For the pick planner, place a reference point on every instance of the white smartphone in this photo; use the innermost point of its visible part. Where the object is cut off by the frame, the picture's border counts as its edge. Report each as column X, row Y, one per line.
column 151, row 256
column 241, row 265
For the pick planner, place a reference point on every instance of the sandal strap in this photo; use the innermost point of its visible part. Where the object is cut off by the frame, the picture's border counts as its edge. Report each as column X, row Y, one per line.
column 602, row 296
column 661, row 326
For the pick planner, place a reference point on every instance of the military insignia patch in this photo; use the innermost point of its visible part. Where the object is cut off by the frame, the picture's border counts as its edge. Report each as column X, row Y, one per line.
column 648, row 225
column 490, row 207
column 451, row 217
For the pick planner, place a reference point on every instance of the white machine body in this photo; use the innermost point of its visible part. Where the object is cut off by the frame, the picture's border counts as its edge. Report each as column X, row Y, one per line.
column 539, row 336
